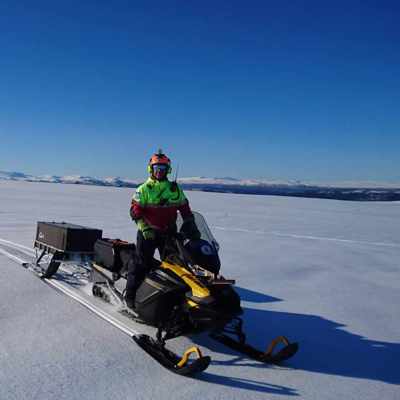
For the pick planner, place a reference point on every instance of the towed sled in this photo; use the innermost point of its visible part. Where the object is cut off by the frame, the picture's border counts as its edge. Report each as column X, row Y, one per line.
column 182, row 294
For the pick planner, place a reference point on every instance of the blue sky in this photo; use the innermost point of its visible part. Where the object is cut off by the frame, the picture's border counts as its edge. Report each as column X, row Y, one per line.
column 304, row 90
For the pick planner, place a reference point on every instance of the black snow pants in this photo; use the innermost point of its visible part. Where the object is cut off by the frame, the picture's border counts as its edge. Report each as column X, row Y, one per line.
column 144, row 261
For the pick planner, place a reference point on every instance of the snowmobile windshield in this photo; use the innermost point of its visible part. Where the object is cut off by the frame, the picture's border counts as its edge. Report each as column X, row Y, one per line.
column 202, row 227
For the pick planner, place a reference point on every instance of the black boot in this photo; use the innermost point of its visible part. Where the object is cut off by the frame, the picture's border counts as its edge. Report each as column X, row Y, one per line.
column 135, row 276
column 130, row 302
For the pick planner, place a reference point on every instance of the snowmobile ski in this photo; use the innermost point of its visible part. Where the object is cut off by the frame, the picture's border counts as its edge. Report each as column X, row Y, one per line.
column 170, row 360
column 288, row 351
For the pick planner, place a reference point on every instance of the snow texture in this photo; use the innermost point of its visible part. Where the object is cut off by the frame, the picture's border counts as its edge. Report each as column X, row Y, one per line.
column 322, row 272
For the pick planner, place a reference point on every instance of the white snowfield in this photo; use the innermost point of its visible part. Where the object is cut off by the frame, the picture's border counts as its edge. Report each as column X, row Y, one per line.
column 324, row 273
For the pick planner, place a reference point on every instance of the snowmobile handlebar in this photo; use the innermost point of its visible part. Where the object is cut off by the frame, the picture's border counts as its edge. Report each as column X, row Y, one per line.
column 175, row 245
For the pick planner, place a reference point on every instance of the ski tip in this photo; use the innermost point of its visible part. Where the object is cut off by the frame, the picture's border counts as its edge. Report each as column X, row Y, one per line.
column 287, row 352
column 171, row 361
column 194, row 367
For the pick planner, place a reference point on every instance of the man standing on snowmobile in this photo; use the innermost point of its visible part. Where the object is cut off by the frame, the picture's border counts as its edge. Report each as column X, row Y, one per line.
column 154, row 208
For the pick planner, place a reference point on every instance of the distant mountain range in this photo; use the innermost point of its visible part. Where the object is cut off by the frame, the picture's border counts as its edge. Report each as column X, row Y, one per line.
column 361, row 191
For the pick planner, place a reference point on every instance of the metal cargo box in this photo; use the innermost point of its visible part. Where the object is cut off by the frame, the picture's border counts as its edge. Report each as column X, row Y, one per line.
column 65, row 237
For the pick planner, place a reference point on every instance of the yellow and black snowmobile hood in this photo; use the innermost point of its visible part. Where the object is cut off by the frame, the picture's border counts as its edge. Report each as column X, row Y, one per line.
column 200, row 294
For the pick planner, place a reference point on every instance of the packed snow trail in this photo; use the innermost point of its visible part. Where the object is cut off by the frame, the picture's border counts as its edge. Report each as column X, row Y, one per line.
column 70, row 293
column 295, row 236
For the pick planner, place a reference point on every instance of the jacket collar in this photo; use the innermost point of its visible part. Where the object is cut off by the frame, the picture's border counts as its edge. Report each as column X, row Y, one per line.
column 154, row 182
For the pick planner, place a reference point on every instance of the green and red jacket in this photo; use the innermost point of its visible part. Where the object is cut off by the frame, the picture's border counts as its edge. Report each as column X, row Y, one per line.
column 156, row 203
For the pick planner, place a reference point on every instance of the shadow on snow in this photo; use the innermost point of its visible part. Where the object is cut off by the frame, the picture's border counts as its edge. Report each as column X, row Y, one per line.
column 324, row 346
column 254, row 297
column 247, row 384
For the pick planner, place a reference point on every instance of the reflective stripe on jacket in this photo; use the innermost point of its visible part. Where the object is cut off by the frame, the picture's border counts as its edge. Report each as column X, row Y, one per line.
column 157, row 203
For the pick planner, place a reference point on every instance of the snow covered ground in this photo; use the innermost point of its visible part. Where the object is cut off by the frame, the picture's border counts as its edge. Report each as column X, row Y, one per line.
column 322, row 272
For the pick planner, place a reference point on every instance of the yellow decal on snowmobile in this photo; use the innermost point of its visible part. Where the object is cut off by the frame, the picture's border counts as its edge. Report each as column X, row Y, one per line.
column 198, row 289
column 192, row 304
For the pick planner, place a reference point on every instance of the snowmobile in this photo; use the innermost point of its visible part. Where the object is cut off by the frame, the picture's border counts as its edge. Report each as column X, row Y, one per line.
column 184, row 293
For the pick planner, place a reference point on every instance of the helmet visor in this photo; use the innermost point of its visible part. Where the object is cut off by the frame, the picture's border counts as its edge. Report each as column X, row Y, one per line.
column 159, row 167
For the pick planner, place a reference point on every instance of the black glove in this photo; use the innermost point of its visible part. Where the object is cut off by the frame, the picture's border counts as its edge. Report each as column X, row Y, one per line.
column 189, row 229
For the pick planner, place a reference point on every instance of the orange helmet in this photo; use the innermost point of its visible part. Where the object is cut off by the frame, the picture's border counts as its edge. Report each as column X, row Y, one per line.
column 159, row 158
